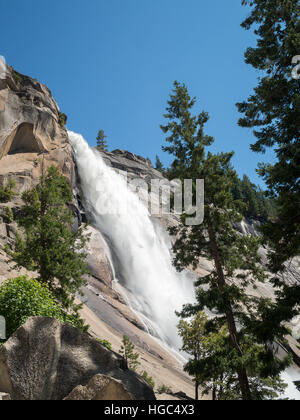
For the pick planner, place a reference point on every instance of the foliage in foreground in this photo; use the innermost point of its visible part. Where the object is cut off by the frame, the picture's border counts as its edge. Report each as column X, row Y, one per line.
column 22, row 298
column 273, row 112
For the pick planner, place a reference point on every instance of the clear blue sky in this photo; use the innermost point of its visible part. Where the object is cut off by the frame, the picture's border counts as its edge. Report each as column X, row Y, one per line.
column 111, row 63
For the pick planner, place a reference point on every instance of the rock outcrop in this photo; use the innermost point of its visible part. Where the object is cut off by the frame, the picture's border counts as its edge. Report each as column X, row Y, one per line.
column 46, row 360
column 32, row 137
column 100, row 388
column 32, row 133
column 133, row 165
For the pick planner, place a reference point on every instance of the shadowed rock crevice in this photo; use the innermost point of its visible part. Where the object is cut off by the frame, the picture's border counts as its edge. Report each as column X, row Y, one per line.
column 23, row 140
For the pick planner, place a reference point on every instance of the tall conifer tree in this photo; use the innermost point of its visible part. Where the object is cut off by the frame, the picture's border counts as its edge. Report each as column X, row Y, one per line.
column 235, row 257
column 273, row 110
column 101, row 141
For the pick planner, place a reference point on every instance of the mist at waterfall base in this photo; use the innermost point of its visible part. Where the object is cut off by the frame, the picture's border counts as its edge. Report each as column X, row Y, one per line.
column 140, row 250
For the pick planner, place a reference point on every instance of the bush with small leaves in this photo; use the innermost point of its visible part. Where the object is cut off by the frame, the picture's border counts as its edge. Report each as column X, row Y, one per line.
column 105, row 343
column 17, row 77
column 62, row 119
column 7, row 215
column 7, row 191
column 22, row 298
column 164, row 389
column 147, row 378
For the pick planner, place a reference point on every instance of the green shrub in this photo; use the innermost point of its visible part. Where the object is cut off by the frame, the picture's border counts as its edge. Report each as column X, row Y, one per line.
column 164, row 389
column 148, row 379
column 62, row 119
column 22, row 298
column 105, row 343
column 17, row 77
column 7, row 191
column 7, row 215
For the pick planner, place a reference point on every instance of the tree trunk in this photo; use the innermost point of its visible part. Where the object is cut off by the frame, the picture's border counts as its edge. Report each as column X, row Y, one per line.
column 196, row 390
column 242, row 374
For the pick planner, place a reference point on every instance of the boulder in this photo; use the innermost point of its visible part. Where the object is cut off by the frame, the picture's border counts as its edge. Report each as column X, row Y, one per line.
column 100, row 388
column 46, row 360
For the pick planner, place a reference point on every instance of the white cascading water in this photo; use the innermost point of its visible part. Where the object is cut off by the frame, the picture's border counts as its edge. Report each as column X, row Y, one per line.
column 141, row 253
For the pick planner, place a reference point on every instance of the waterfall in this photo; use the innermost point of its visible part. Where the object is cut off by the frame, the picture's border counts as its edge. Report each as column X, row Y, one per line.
column 141, row 251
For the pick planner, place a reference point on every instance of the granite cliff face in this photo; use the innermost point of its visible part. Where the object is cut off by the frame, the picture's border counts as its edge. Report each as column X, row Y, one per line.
column 31, row 126
column 32, row 137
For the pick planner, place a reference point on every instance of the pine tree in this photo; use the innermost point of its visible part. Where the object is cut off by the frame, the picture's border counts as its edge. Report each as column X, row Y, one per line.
column 213, row 361
column 149, row 162
column 250, row 197
column 48, row 244
column 101, row 142
column 193, row 337
column 127, row 351
column 235, row 257
column 158, row 165
column 7, row 191
column 210, row 362
column 274, row 111
column 257, row 205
